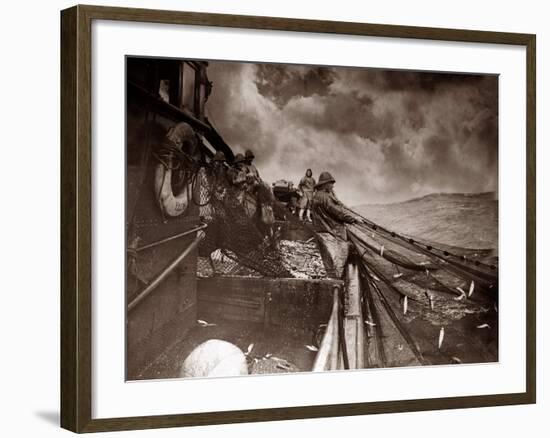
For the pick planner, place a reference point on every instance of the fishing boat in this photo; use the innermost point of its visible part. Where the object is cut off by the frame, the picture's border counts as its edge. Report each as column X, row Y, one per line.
column 201, row 268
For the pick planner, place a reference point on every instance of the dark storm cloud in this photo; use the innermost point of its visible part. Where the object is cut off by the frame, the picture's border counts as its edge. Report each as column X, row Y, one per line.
column 343, row 113
column 284, row 82
column 385, row 135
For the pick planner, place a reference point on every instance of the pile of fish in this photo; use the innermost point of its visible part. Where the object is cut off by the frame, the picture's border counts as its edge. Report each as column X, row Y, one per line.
column 223, row 265
column 302, row 259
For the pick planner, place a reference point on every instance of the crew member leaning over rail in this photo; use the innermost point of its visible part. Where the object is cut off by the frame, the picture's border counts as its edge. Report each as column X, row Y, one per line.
column 328, row 211
column 330, row 219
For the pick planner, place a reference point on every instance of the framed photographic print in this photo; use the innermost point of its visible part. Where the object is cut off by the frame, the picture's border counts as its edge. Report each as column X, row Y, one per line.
column 267, row 218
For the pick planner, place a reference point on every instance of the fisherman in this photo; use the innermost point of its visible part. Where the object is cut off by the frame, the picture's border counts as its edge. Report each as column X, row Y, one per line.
column 253, row 182
column 306, row 187
column 236, row 175
column 251, row 192
column 219, row 172
column 252, row 174
column 265, row 200
column 292, row 205
column 329, row 213
column 219, row 168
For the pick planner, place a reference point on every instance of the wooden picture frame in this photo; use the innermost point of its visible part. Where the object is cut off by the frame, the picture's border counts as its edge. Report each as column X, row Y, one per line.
column 76, row 217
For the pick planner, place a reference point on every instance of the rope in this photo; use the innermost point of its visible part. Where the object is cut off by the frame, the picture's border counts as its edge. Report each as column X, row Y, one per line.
column 369, row 308
column 341, row 333
column 397, row 323
column 447, row 265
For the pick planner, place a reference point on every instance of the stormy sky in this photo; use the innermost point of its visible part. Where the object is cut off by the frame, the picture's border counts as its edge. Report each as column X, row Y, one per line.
column 385, row 136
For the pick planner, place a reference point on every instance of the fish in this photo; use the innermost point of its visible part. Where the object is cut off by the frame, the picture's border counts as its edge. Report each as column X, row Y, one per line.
column 281, row 363
column 405, row 304
column 249, row 349
column 471, row 291
column 372, row 324
column 455, row 359
column 375, row 278
column 382, row 251
column 398, row 275
column 203, row 323
column 312, row 348
column 430, row 300
column 482, row 326
column 400, row 347
column 441, row 337
column 462, row 294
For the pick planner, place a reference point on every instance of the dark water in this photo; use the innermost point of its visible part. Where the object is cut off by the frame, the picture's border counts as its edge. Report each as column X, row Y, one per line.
column 466, row 220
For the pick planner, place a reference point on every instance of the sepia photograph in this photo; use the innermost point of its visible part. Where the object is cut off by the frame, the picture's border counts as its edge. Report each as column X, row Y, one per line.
column 285, row 218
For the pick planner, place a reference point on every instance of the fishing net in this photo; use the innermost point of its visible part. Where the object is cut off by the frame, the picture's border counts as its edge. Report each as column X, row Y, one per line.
column 409, row 263
column 412, row 289
column 235, row 229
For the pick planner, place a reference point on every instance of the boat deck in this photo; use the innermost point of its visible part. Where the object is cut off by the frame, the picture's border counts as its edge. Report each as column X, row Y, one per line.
column 275, row 350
